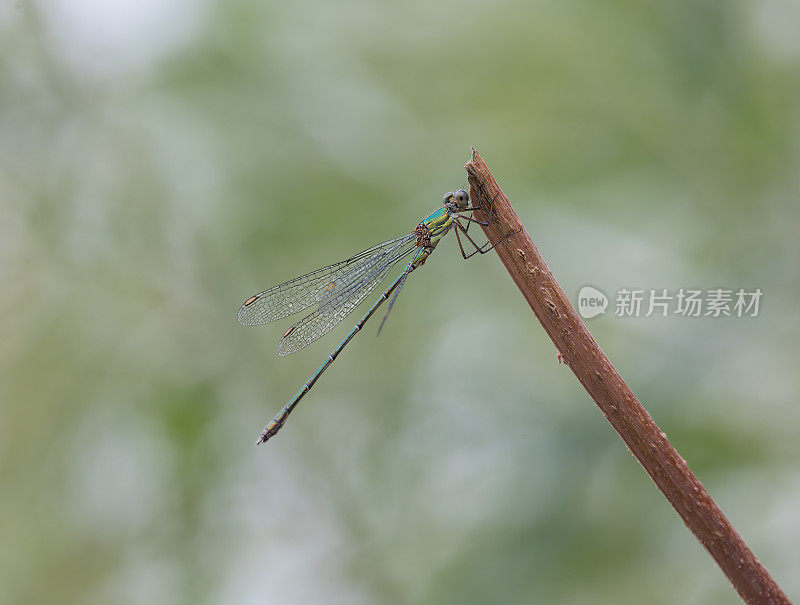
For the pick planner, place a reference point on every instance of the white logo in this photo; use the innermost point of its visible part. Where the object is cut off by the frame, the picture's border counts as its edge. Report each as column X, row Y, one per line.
column 591, row 302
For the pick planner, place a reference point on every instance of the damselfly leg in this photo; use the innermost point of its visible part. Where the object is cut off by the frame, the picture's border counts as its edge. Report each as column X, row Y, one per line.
column 478, row 249
column 482, row 249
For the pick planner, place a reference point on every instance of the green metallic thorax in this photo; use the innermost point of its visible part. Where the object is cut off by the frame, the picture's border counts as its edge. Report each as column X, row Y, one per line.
column 437, row 223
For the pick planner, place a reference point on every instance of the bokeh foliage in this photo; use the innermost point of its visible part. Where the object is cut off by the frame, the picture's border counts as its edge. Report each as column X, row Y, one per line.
column 160, row 163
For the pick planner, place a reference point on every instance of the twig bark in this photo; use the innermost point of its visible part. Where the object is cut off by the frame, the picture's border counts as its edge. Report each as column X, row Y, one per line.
column 614, row 398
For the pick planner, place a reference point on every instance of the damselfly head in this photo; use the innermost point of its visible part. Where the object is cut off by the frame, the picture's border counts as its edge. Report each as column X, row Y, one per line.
column 456, row 200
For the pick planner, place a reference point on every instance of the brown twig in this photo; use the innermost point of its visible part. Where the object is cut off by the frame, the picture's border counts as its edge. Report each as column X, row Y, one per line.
column 619, row 405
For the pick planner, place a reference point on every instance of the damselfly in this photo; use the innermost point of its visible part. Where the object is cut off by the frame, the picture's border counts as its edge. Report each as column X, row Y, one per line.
column 339, row 288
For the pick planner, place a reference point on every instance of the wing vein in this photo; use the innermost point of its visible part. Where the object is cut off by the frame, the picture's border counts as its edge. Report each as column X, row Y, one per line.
column 323, row 284
column 330, row 313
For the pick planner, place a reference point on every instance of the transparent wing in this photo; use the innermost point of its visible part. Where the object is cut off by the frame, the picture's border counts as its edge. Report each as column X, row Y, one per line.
column 331, row 312
column 306, row 290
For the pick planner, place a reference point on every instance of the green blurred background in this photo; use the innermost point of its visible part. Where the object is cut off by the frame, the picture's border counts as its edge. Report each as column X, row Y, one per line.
column 160, row 162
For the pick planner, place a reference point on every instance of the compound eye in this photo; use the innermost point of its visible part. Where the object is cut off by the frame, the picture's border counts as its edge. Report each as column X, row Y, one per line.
column 447, row 197
column 462, row 198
